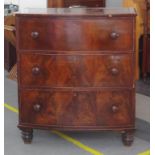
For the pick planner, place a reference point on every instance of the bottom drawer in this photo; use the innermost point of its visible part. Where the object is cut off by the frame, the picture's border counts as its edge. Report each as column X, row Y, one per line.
column 110, row 108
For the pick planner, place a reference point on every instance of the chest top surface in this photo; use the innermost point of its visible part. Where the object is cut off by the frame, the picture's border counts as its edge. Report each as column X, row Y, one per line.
column 77, row 12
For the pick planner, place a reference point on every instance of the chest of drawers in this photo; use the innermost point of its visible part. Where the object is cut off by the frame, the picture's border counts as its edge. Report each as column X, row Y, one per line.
column 76, row 70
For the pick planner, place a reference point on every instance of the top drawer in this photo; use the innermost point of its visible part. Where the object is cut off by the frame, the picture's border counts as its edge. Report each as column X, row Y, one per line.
column 75, row 34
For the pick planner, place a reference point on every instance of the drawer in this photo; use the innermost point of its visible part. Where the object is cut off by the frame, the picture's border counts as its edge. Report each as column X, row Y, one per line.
column 76, row 70
column 76, row 108
column 94, row 34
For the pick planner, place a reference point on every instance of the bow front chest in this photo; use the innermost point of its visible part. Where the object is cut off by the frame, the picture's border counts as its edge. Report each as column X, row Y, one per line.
column 76, row 70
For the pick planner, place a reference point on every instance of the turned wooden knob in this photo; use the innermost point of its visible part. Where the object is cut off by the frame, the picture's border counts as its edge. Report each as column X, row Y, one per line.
column 114, row 35
column 34, row 35
column 37, row 107
column 36, row 70
column 114, row 71
column 114, row 108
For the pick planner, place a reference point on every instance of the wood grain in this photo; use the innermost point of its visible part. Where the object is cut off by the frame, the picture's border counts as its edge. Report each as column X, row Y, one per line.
column 82, row 108
column 89, row 35
column 76, row 70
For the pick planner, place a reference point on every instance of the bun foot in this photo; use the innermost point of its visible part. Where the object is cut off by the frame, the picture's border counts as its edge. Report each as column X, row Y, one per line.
column 128, row 138
column 27, row 136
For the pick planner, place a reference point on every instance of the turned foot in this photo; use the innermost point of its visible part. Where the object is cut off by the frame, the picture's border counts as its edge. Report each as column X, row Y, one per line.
column 128, row 138
column 27, row 136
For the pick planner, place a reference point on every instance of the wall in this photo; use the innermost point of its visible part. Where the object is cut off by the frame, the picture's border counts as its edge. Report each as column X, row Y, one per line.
column 29, row 3
column 114, row 3
column 43, row 3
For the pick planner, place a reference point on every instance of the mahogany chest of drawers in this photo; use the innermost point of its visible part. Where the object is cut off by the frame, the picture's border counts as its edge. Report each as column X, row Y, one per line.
column 76, row 70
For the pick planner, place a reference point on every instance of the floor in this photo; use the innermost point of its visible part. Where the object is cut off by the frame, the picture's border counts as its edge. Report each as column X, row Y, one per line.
column 87, row 143
column 143, row 87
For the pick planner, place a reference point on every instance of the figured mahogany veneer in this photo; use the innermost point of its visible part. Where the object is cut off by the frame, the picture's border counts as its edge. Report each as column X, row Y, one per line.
column 76, row 70
column 91, row 35
column 77, row 108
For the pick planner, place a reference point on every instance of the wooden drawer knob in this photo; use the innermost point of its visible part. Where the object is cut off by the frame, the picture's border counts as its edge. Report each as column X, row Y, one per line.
column 114, row 108
column 37, row 107
column 114, row 35
column 36, row 70
column 34, row 35
column 114, row 71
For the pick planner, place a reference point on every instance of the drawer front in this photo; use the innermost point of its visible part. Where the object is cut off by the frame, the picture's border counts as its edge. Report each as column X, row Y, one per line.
column 75, row 34
column 79, row 108
column 76, row 70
